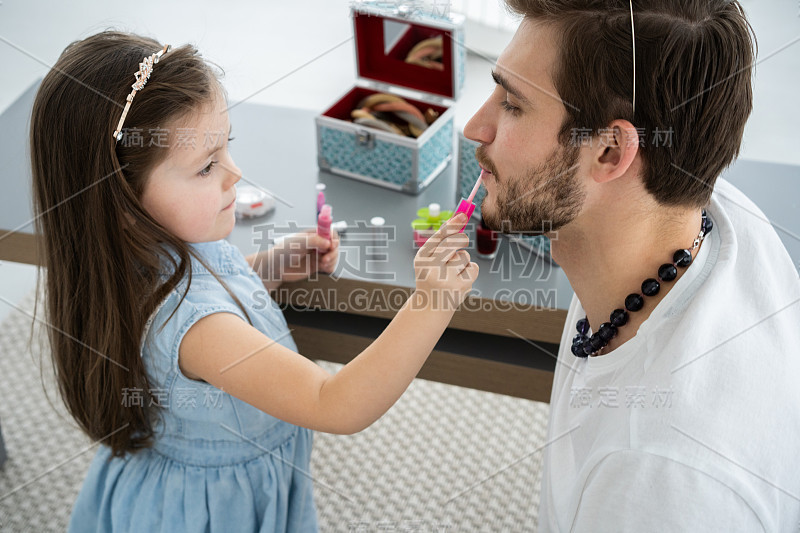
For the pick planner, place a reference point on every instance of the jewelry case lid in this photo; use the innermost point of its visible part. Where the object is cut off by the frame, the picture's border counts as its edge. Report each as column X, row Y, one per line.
column 386, row 31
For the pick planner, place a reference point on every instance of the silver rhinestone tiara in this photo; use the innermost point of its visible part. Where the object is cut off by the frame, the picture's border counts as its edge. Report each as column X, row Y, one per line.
column 145, row 69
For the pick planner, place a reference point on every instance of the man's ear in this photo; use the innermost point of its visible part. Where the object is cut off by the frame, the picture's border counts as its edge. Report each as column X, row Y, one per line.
column 614, row 150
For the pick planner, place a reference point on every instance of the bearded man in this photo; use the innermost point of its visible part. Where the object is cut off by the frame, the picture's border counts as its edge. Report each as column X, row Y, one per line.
column 674, row 404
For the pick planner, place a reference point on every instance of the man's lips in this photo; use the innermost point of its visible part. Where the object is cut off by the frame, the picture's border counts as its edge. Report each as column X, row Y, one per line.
column 486, row 174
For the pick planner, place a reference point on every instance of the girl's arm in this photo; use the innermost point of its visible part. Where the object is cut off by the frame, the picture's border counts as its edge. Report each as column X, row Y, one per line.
column 233, row 356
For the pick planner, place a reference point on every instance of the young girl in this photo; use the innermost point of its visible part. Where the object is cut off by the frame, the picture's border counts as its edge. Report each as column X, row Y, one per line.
column 200, row 403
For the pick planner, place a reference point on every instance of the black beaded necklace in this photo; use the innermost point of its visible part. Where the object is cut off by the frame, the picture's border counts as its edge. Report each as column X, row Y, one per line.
column 584, row 346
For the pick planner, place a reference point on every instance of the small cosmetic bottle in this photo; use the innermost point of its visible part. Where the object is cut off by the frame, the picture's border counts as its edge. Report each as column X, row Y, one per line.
column 486, row 241
column 378, row 230
column 429, row 220
column 377, row 248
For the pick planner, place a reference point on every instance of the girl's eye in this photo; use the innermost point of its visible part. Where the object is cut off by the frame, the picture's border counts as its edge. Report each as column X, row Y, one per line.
column 514, row 110
column 206, row 171
column 231, row 138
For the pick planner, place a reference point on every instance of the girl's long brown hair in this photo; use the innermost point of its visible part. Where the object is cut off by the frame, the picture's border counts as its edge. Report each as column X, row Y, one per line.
column 102, row 251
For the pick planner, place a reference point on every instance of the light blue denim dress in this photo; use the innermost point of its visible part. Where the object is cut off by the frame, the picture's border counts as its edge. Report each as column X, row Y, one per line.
column 218, row 464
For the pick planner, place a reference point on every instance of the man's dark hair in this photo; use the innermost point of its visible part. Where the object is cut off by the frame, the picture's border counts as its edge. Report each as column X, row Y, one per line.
column 694, row 62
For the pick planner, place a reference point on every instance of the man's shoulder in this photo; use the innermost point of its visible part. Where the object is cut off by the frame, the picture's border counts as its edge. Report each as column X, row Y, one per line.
column 748, row 292
column 746, row 233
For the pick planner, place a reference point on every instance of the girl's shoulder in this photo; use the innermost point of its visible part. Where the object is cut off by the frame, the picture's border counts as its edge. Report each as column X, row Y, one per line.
column 234, row 288
column 177, row 313
column 201, row 294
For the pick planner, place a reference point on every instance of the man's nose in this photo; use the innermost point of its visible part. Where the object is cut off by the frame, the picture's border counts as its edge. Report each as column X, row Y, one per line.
column 480, row 127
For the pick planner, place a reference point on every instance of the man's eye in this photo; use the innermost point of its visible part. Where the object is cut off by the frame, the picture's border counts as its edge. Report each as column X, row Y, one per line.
column 510, row 108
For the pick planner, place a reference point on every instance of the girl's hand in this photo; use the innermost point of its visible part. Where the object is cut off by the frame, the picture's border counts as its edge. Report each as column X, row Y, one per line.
column 444, row 273
column 299, row 255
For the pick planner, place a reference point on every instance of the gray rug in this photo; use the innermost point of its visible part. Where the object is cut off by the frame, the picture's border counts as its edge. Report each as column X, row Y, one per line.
column 444, row 458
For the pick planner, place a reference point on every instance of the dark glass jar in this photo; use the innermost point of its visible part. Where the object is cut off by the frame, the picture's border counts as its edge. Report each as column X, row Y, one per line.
column 486, row 241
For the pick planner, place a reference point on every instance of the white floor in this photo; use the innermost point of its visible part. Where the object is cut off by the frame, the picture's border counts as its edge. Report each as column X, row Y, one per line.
column 299, row 54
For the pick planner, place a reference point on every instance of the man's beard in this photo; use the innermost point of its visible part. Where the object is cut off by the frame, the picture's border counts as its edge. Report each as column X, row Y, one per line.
column 548, row 198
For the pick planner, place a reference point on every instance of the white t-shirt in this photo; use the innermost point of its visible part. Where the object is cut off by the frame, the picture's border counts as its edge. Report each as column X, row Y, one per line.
column 694, row 423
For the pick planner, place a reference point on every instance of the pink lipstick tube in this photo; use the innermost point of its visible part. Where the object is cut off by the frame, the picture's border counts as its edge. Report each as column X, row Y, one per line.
column 324, row 221
column 466, row 206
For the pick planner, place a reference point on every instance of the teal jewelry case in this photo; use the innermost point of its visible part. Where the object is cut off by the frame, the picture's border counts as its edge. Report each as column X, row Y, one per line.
column 384, row 34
